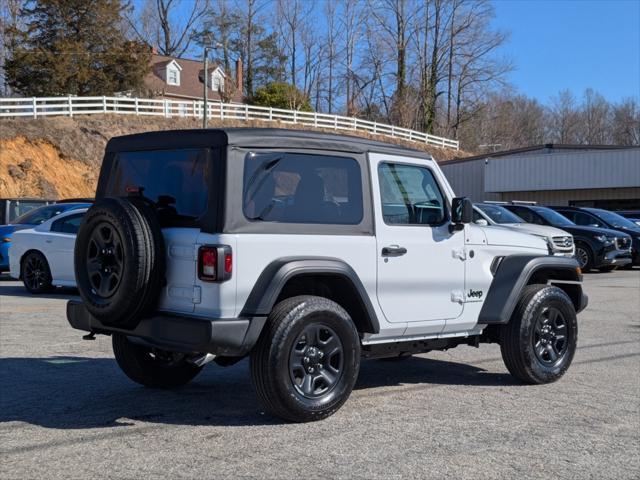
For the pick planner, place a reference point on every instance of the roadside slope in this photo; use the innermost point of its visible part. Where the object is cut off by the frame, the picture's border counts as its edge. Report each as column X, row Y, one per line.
column 60, row 157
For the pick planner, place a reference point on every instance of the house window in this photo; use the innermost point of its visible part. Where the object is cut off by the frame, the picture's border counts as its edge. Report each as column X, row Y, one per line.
column 173, row 76
column 217, row 82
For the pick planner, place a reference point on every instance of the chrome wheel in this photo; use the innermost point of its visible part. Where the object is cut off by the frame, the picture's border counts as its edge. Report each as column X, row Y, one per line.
column 582, row 256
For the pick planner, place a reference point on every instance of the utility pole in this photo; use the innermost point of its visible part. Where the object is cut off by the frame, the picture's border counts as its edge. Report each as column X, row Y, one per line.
column 205, row 111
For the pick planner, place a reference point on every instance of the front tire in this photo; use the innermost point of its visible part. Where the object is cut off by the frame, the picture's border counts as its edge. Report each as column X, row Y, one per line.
column 36, row 274
column 539, row 342
column 152, row 367
column 584, row 256
column 307, row 359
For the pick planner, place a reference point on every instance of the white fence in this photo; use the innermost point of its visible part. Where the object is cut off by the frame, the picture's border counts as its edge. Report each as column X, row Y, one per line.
column 69, row 106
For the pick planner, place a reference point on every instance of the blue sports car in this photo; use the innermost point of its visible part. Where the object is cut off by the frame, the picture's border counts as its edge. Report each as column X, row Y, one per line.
column 28, row 220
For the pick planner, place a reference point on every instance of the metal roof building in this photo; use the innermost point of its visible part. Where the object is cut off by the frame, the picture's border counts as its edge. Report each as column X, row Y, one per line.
column 583, row 175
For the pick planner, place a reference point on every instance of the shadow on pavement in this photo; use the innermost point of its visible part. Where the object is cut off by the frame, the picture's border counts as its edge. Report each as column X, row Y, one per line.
column 76, row 392
column 19, row 291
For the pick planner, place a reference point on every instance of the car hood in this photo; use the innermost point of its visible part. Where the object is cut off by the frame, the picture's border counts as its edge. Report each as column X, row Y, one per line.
column 505, row 236
column 634, row 232
column 591, row 231
column 534, row 229
column 7, row 230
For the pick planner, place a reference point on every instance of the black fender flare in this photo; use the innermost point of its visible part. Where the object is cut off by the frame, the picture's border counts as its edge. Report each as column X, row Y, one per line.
column 273, row 278
column 515, row 271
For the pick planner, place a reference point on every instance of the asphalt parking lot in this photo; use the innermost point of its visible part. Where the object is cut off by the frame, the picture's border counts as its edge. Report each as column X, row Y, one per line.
column 66, row 410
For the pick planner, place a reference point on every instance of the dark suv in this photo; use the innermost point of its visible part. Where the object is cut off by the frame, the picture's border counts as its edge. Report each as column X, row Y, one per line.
column 597, row 217
column 596, row 247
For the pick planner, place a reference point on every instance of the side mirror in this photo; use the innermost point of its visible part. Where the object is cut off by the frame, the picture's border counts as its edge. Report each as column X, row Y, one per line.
column 461, row 210
column 482, row 222
column 461, row 213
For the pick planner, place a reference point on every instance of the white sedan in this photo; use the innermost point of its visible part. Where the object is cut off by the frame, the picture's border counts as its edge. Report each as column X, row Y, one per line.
column 42, row 256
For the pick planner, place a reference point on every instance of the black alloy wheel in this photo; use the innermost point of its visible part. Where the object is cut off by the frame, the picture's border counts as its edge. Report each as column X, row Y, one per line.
column 550, row 336
column 306, row 361
column 316, row 361
column 36, row 274
column 540, row 340
column 105, row 260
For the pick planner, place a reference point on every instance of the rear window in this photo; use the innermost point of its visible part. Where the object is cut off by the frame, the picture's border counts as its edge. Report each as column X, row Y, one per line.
column 302, row 188
column 176, row 180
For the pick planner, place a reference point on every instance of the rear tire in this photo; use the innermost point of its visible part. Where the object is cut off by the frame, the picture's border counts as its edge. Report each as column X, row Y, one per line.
column 35, row 273
column 307, row 359
column 539, row 342
column 152, row 367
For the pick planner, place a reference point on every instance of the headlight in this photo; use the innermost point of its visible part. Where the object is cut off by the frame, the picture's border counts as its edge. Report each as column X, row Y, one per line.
column 604, row 239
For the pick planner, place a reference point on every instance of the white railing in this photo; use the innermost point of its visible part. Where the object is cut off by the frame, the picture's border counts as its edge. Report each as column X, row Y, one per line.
column 69, row 106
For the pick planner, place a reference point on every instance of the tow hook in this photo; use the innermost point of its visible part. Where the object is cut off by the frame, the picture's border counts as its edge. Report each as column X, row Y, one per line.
column 89, row 336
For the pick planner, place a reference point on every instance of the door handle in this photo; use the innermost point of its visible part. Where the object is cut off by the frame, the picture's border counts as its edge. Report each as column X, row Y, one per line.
column 393, row 251
column 48, row 241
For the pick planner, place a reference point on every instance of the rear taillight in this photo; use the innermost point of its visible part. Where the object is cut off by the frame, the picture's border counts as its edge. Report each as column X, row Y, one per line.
column 215, row 263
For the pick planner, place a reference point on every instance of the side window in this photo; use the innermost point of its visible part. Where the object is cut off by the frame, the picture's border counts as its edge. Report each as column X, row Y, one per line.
column 570, row 214
column 585, row 219
column 524, row 213
column 69, row 224
column 302, row 188
column 410, row 195
column 477, row 216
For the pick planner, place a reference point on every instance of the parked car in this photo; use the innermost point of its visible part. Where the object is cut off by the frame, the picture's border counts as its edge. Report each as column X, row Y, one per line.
column 633, row 215
column 305, row 252
column 599, row 248
column 31, row 219
column 597, row 217
column 42, row 256
column 558, row 241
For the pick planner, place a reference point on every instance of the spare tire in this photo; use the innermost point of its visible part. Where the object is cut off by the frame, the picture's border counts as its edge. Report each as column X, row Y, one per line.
column 120, row 260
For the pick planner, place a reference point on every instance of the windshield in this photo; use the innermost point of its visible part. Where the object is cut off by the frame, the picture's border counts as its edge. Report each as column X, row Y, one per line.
column 499, row 214
column 18, row 208
column 553, row 217
column 39, row 215
column 613, row 218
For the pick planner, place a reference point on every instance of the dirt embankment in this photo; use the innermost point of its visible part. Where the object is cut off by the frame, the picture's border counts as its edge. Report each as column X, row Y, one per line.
column 59, row 157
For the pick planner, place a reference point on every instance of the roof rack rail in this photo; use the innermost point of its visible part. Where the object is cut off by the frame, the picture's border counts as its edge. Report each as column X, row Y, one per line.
column 496, row 202
column 523, row 202
column 76, row 200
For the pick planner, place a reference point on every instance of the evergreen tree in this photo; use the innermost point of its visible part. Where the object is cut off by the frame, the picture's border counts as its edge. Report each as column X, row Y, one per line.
column 75, row 47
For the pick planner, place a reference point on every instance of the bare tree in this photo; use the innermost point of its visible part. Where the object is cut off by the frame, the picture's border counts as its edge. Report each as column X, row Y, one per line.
column 595, row 121
column 352, row 27
column 563, row 118
column 626, row 123
column 169, row 28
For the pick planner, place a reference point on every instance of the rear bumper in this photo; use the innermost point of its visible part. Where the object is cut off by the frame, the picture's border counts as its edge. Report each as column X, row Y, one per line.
column 220, row 336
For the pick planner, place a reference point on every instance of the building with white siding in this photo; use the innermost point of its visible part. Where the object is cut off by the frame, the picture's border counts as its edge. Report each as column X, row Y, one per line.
column 582, row 175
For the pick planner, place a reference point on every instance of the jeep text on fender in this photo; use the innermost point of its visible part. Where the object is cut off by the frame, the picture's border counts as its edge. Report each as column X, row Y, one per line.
column 306, row 252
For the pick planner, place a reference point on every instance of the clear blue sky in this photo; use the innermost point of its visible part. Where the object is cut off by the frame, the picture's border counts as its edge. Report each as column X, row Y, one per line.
column 573, row 44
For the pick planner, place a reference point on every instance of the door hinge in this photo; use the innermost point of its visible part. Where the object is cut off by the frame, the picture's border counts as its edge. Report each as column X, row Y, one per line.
column 460, row 253
column 457, row 297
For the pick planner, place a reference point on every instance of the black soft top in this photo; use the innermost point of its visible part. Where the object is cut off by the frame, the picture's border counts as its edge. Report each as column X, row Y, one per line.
column 254, row 138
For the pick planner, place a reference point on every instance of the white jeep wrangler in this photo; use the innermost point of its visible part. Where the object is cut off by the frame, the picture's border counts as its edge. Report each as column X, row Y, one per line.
column 305, row 252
